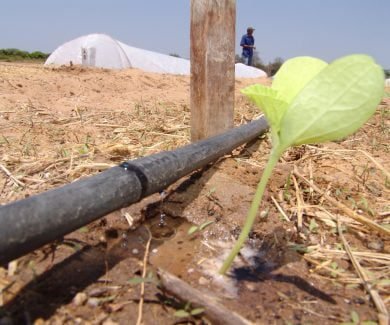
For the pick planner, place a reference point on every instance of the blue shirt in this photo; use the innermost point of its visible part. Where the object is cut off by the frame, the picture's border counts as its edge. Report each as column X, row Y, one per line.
column 247, row 40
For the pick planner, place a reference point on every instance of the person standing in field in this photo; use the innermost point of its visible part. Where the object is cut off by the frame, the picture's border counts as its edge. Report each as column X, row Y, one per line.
column 248, row 45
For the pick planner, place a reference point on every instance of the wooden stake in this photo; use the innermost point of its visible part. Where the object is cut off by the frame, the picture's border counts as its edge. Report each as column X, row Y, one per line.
column 212, row 66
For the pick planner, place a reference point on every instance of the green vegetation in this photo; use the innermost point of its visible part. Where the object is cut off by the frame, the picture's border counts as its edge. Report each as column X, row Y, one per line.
column 312, row 102
column 387, row 73
column 355, row 320
column 10, row 55
column 188, row 311
column 150, row 278
column 195, row 229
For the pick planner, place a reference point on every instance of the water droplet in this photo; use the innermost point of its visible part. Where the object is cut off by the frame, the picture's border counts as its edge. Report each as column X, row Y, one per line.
column 162, row 222
column 163, row 195
column 161, row 230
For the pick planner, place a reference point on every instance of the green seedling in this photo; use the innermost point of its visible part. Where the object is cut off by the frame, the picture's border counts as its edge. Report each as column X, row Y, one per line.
column 363, row 203
column 195, row 229
column 353, row 203
column 334, row 266
column 5, row 140
column 150, row 278
column 299, row 248
column 365, row 174
column 187, row 311
column 64, row 153
column 355, row 320
column 84, row 149
column 212, row 190
column 313, row 226
column 311, row 101
column 338, row 192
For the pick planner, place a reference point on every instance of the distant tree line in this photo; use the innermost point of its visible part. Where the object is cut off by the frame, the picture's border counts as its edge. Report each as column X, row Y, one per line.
column 387, row 73
column 17, row 55
column 270, row 68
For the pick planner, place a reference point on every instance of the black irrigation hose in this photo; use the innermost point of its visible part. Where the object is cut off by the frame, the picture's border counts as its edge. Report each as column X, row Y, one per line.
column 32, row 222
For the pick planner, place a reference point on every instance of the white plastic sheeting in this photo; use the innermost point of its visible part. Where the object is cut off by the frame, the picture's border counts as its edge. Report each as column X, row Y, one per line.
column 96, row 50
column 100, row 50
column 244, row 71
column 387, row 83
column 156, row 62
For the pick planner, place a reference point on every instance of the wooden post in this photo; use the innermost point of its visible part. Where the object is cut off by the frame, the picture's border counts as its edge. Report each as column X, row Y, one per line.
column 213, row 24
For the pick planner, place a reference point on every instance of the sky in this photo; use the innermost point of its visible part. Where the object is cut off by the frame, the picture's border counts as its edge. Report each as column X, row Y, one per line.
column 326, row 29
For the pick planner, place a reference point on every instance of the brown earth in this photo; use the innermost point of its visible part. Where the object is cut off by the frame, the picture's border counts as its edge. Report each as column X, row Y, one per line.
column 58, row 125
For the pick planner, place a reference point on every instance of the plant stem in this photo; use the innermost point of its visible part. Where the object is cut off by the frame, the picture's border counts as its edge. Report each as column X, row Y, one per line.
column 250, row 219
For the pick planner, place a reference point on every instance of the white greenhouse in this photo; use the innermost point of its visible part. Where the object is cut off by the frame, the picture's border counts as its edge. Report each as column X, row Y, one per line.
column 100, row 50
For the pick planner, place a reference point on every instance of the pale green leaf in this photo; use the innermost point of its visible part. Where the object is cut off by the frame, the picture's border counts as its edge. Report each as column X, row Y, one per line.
column 335, row 103
column 197, row 311
column 181, row 313
column 269, row 101
column 294, row 74
column 205, row 224
column 355, row 317
column 192, row 230
column 136, row 280
column 313, row 225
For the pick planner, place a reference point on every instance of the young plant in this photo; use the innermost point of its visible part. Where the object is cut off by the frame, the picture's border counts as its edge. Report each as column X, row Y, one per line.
column 195, row 229
column 355, row 320
column 312, row 102
column 150, row 278
column 187, row 311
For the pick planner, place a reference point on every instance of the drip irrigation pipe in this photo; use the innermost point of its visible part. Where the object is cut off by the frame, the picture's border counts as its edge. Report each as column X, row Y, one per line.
column 30, row 223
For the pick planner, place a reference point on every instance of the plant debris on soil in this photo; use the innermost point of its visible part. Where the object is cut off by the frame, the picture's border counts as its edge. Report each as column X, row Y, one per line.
column 318, row 253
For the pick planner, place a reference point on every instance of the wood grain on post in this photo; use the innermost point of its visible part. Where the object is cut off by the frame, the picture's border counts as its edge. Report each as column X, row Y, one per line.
column 212, row 66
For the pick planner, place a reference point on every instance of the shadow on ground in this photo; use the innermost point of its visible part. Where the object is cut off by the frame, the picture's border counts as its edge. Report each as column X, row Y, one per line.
column 271, row 256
